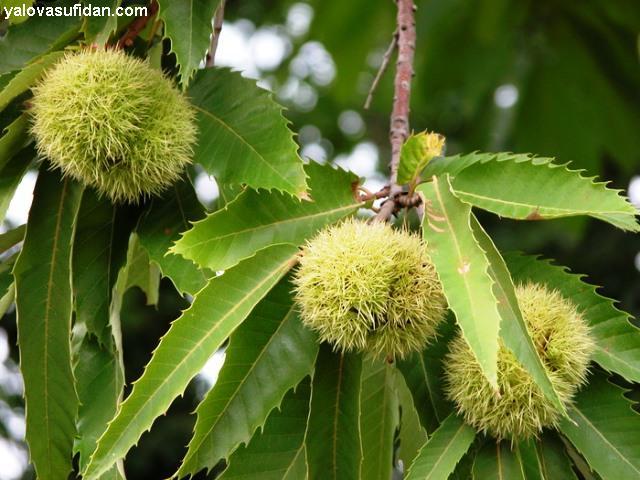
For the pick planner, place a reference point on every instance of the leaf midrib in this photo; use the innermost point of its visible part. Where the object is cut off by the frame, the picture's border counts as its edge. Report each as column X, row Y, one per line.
column 606, row 440
column 444, row 452
column 263, row 226
column 275, row 272
column 560, row 211
column 242, row 383
column 458, row 250
column 246, row 142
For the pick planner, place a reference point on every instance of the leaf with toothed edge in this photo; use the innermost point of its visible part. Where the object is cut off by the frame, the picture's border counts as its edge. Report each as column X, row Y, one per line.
column 217, row 310
column 277, row 452
column 463, row 269
column 412, row 435
column 617, row 341
column 513, row 329
column 160, row 227
column 44, row 305
column 26, row 77
column 188, row 26
column 530, row 188
column 605, row 429
column 244, row 138
column 439, row 456
column 256, row 219
column 268, row 354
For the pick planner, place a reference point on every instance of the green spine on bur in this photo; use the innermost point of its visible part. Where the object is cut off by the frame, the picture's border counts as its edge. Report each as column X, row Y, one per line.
column 368, row 287
column 521, row 411
column 112, row 122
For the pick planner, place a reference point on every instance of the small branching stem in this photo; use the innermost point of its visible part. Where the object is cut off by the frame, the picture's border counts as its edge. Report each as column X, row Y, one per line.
column 399, row 129
column 137, row 26
column 383, row 67
column 217, row 28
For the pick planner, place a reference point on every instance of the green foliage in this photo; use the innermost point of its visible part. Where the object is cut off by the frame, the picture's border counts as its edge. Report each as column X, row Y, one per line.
column 44, row 308
column 217, row 310
column 30, row 40
column 416, row 153
column 160, row 227
column 188, row 26
column 367, row 287
column 379, row 418
column 255, row 220
column 267, row 356
column 243, row 137
column 444, row 449
column 333, row 442
column 520, row 410
column 22, row 81
column 277, row 452
column 113, row 123
column 286, row 405
column 463, row 269
column 605, row 429
column 617, row 341
column 502, row 184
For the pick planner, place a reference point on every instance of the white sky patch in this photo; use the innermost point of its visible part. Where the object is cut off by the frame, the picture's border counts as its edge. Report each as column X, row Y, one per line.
column 634, row 191
column 206, row 188
column 506, row 95
column 299, row 19
column 18, row 211
column 211, row 369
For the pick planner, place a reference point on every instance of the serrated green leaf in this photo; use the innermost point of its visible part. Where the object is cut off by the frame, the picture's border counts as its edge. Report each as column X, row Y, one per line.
column 161, row 226
column 14, row 138
column 257, row 219
column 439, row 456
column 142, row 272
column 270, row 353
column 617, row 341
column 100, row 250
column 10, row 176
column 217, row 310
column 463, row 269
column 44, row 309
column 244, row 139
column 552, row 459
column 605, row 429
column 37, row 36
column 188, row 24
column 412, row 435
column 99, row 381
column 379, row 419
column 418, row 150
column 26, row 77
column 526, row 188
column 98, row 28
column 513, row 331
column 332, row 442
column 276, row 453
column 496, row 461
column 423, row 374
column 11, row 238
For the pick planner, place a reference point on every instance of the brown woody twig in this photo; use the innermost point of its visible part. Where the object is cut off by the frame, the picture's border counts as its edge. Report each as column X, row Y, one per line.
column 217, row 28
column 137, row 26
column 383, row 67
column 399, row 130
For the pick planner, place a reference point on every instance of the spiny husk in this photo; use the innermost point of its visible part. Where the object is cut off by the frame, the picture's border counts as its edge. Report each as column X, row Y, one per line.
column 368, row 287
column 562, row 339
column 112, row 122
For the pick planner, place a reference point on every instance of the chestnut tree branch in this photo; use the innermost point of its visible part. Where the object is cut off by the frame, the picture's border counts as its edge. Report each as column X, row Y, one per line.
column 217, row 28
column 137, row 26
column 399, row 129
column 383, row 67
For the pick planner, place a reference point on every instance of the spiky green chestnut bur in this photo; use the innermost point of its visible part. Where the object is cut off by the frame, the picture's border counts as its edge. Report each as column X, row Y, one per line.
column 563, row 341
column 368, row 287
column 112, row 122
